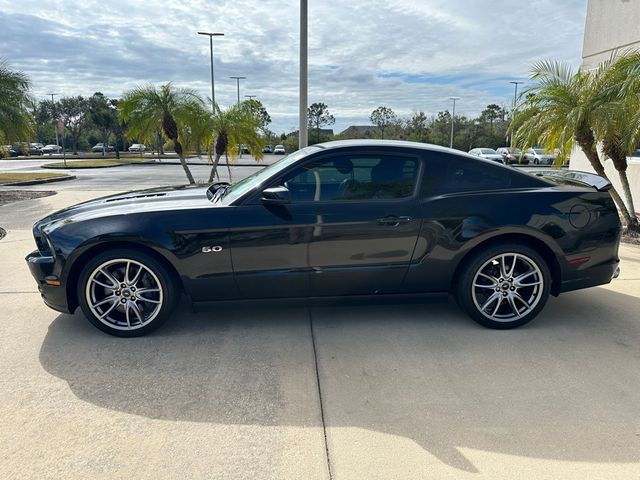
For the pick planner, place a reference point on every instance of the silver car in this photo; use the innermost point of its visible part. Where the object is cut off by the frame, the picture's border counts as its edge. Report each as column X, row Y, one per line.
column 488, row 153
column 537, row 156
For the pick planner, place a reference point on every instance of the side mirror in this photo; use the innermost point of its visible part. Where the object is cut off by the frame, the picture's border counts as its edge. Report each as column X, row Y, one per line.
column 276, row 196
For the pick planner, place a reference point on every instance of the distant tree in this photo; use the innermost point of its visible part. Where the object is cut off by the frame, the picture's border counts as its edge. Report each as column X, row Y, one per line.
column 492, row 113
column 257, row 110
column 74, row 112
column 104, row 116
column 383, row 118
column 319, row 117
column 147, row 109
column 16, row 122
column 417, row 127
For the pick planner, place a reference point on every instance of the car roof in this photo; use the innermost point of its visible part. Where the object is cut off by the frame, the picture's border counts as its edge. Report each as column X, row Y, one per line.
column 397, row 143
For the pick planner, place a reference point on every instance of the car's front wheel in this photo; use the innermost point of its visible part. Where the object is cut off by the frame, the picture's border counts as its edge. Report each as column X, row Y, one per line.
column 504, row 286
column 126, row 293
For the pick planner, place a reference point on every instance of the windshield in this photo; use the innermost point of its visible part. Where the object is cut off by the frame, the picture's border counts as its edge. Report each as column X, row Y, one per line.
column 538, row 151
column 243, row 186
column 488, row 150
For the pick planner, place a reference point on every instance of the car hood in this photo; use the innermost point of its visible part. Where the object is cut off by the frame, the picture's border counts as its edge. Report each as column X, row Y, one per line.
column 151, row 200
column 492, row 156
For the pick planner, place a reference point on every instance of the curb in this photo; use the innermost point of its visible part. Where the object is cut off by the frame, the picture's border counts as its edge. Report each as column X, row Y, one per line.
column 39, row 182
column 254, row 164
column 91, row 168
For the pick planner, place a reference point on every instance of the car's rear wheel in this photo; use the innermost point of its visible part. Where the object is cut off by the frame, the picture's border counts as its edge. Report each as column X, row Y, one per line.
column 126, row 293
column 504, row 286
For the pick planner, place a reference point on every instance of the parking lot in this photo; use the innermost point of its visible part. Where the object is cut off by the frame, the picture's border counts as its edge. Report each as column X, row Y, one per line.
column 278, row 390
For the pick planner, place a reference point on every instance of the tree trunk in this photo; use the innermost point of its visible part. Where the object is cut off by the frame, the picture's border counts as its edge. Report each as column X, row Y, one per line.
column 613, row 149
column 587, row 144
column 214, row 169
column 222, row 142
column 226, row 157
column 178, row 148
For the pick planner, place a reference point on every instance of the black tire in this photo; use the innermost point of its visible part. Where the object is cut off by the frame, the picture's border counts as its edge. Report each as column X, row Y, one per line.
column 478, row 268
column 153, row 272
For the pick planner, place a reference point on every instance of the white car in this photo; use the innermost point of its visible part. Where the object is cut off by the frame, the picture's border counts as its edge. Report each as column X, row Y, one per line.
column 279, row 150
column 51, row 149
column 537, row 156
column 487, row 153
column 137, row 147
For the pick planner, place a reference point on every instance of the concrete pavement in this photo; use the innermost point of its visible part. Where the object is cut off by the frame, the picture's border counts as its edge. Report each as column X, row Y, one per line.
column 408, row 389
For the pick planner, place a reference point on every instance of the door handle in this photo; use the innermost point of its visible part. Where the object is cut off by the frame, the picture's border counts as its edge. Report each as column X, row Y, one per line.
column 394, row 220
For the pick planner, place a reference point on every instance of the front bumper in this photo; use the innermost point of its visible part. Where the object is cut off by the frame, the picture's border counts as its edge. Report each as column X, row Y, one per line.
column 41, row 268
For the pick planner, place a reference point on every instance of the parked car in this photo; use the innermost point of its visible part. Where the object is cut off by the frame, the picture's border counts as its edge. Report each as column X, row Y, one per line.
column 334, row 219
column 267, row 149
column 512, row 156
column 537, row 156
column 244, row 149
column 35, row 148
column 487, row 153
column 100, row 147
column 279, row 150
column 51, row 149
column 136, row 147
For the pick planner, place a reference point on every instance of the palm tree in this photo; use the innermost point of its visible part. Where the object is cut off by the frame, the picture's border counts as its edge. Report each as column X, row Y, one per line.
column 232, row 127
column 147, row 108
column 616, row 115
column 557, row 112
column 15, row 104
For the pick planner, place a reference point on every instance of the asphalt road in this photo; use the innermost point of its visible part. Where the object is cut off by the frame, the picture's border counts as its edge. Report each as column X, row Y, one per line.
column 127, row 177
column 356, row 390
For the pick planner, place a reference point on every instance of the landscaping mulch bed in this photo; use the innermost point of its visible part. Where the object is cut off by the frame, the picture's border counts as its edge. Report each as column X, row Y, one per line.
column 9, row 196
column 632, row 237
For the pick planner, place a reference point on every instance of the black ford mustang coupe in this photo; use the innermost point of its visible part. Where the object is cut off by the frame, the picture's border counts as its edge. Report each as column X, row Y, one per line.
column 335, row 219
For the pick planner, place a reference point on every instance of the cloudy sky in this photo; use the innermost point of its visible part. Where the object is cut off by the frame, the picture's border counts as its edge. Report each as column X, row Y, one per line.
column 410, row 55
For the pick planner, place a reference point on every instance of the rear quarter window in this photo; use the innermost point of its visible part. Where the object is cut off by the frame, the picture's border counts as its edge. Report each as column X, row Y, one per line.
column 464, row 175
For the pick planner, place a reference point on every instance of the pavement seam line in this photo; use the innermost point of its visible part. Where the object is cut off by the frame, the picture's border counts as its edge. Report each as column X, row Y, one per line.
column 315, row 361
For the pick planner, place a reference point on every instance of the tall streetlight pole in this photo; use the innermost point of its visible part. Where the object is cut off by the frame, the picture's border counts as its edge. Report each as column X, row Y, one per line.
column 213, row 92
column 515, row 102
column 453, row 116
column 302, row 128
column 238, row 86
column 53, row 106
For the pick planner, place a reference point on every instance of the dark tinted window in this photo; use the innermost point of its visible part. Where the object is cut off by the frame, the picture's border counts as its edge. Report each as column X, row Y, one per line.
column 464, row 175
column 347, row 178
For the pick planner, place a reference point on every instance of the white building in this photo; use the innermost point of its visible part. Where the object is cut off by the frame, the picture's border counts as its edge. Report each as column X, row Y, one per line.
column 613, row 26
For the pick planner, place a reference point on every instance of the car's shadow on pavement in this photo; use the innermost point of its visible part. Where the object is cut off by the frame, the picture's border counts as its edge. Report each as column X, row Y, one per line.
column 564, row 387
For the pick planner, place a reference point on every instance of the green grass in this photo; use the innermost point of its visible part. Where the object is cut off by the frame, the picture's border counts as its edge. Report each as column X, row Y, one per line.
column 15, row 177
column 96, row 163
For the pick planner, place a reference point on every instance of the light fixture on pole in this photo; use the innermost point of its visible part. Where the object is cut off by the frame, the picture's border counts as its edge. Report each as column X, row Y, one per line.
column 250, row 97
column 302, row 127
column 515, row 102
column 453, row 116
column 53, row 108
column 213, row 92
column 238, row 85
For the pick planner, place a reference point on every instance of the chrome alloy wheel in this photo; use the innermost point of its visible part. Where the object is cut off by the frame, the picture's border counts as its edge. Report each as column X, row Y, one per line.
column 124, row 294
column 507, row 287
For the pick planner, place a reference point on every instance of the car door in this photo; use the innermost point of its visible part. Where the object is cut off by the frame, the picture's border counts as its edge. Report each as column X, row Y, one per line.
column 269, row 245
column 364, row 219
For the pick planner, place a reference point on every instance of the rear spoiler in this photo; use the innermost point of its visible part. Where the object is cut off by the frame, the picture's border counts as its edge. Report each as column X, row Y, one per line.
column 572, row 176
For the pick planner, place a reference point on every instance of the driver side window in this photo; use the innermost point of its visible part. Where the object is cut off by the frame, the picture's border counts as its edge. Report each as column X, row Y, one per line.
column 346, row 178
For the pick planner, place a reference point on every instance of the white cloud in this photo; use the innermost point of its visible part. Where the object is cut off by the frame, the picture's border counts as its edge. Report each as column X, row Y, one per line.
column 409, row 55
